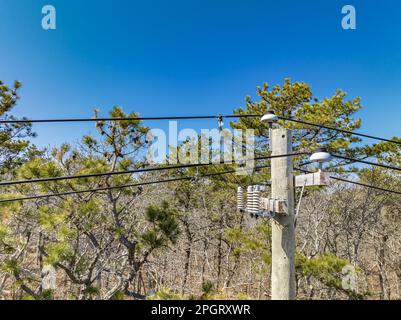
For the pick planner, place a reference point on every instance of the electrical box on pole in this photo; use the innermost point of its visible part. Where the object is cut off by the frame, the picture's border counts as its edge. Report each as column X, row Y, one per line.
column 319, row 178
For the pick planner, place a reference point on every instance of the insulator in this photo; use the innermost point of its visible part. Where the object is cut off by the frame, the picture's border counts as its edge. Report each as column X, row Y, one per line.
column 256, row 200
column 253, row 200
column 220, row 122
column 249, row 199
column 240, row 199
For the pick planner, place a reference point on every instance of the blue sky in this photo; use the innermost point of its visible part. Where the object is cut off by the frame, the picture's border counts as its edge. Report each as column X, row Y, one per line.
column 195, row 57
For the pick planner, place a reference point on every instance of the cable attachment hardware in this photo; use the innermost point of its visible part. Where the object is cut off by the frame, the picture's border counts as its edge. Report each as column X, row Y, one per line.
column 273, row 207
column 220, row 122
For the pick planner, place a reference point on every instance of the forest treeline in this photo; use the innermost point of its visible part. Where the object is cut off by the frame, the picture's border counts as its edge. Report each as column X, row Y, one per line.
column 185, row 239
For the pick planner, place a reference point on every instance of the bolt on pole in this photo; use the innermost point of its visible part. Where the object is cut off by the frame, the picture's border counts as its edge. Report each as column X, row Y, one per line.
column 283, row 231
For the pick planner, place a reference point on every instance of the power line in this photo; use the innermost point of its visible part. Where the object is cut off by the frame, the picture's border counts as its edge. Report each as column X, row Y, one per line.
column 124, row 186
column 354, row 182
column 324, row 127
column 367, row 162
column 102, row 174
column 28, row 121
column 340, row 130
column 366, row 185
column 15, row 121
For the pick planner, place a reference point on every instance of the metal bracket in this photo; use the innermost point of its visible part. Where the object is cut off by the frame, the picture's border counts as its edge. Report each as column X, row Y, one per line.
column 299, row 205
column 319, row 178
column 274, row 205
column 263, row 214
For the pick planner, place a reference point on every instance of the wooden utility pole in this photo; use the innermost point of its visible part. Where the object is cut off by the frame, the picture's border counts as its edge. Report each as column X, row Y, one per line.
column 283, row 230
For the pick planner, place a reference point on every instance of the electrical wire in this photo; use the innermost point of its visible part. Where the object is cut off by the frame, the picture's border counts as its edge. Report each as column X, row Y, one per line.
column 28, row 121
column 16, row 121
column 324, row 127
column 102, row 174
column 367, row 162
column 124, row 186
column 339, row 130
column 354, row 182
